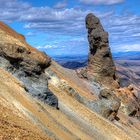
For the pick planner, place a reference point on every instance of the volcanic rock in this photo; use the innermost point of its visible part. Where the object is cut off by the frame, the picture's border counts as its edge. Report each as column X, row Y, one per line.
column 100, row 67
column 25, row 63
column 110, row 103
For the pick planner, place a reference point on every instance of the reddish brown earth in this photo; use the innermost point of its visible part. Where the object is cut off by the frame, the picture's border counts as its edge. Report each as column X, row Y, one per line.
column 8, row 35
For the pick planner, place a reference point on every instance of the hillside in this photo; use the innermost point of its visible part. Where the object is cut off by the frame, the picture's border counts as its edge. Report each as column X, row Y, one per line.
column 14, row 124
column 127, row 67
column 40, row 100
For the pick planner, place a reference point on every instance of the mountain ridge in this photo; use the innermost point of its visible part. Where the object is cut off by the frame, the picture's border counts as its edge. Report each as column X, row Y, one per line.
column 56, row 101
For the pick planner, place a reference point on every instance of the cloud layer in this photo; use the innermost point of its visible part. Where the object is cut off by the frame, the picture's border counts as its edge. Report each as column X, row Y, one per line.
column 104, row 2
column 61, row 22
column 61, row 4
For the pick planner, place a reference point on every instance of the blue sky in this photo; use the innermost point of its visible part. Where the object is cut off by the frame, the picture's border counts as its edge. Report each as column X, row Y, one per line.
column 58, row 26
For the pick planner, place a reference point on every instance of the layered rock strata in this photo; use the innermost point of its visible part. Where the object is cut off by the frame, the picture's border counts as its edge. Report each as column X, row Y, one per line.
column 100, row 67
column 25, row 63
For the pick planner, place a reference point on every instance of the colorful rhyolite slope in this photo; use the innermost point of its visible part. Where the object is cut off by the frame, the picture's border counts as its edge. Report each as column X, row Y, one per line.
column 41, row 100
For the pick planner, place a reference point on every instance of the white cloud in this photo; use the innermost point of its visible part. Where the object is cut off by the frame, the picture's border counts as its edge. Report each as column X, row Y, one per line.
column 126, row 47
column 104, row 2
column 14, row 5
column 68, row 21
column 46, row 47
column 30, row 34
column 122, row 28
column 61, row 4
column 136, row 35
column 11, row 10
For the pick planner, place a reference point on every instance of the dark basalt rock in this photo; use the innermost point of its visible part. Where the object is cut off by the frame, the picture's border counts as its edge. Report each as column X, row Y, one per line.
column 27, row 66
column 100, row 63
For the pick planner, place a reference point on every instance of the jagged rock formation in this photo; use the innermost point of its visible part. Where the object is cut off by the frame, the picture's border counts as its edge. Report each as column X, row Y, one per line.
column 106, row 104
column 26, row 63
column 100, row 62
column 100, row 67
column 109, row 104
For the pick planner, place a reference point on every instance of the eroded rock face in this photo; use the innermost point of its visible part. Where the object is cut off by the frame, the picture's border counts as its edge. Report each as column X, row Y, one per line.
column 21, row 57
column 20, row 61
column 101, row 68
column 130, row 104
column 26, row 63
column 110, row 104
column 100, row 64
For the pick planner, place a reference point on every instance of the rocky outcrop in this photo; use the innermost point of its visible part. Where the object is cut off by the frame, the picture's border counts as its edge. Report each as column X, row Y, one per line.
column 129, row 102
column 100, row 67
column 106, row 103
column 25, row 63
column 100, row 62
column 110, row 104
column 24, row 59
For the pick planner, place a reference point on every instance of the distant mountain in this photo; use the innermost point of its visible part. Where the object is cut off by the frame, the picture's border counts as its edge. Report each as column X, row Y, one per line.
column 128, row 66
column 131, row 55
column 74, row 62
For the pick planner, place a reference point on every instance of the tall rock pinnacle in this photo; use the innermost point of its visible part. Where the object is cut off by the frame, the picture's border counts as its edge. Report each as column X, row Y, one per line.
column 100, row 62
